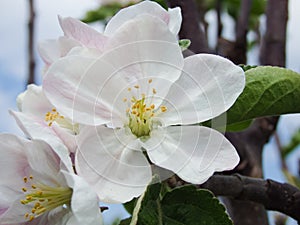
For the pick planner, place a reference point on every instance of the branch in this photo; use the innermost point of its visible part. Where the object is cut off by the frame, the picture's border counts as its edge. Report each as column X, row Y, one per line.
column 281, row 197
column 31, row 60
column 239, row 52
column 190, row 28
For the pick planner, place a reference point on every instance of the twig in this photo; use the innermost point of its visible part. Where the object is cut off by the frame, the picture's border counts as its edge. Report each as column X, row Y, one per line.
column 273, row 195
column 31, row 60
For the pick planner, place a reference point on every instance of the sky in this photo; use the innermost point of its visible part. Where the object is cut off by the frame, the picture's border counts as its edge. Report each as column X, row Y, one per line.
column 13, row 65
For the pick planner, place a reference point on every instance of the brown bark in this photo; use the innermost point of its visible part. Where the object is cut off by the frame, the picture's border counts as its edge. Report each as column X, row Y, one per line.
column 191, row 28
column 270, row 194
column 273, row 46
column 31, row 59
column 239, row 52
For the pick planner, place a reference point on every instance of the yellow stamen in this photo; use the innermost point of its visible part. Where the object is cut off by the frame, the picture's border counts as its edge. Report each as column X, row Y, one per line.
column 43, row 198
column 163, row 108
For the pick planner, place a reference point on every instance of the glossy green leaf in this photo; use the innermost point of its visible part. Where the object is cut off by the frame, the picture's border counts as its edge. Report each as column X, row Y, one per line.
column 269, row 91
column 185, row 205
column 190, row 206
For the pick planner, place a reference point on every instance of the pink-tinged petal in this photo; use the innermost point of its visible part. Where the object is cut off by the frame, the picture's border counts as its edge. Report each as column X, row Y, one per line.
column 36, row 128
column 208, row 86
column 51, row 50
column 83, row 33
column 194, row 153
column 84, row 203
column 74, row 91
column 38, row 151
column 15, row 214
column 145, row 7
column 14, row 160
column 112, row 162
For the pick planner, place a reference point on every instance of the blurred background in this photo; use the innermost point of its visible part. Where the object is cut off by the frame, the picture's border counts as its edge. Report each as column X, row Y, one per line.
column 217, row 19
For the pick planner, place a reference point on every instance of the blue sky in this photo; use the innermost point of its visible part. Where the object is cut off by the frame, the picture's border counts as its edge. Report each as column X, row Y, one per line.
column 13, row 65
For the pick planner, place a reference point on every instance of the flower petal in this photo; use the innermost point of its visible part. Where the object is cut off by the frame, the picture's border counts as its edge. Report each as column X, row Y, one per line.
column 208, row 86
column 146, row 7
column 84, row 203
column 51, row 50
column 13, row 159
column 83, row 33
column 34, row 102
column 175, row 20
column 144, row 48
column 194, row 153
column 112, row 162
column 71, row 93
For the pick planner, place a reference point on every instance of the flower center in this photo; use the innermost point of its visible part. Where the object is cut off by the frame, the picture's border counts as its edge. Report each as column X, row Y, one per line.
column 54, row 116
column 43, row 198
column 141, row 112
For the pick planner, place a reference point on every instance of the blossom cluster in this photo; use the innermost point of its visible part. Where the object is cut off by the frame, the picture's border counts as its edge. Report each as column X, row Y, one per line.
column 113, row 109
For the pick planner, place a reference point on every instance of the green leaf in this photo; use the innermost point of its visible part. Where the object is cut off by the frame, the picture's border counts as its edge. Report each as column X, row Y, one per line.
column 102, row 13
column 190, row 206
column 268, row 91
column 184, row 44
column 163, row 3
column 235, row 127
column 181, row 206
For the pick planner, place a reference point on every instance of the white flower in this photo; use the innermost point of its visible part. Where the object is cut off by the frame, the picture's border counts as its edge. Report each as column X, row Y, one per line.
column 39, row 119
column 137, row 94
column 37, row 188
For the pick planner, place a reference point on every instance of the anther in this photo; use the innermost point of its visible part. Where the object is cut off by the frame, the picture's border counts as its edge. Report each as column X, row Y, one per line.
column 136, row 86
column 163, row 108
column 150, row 81
column 24, row 189
column 31, row 217
column 154, row 91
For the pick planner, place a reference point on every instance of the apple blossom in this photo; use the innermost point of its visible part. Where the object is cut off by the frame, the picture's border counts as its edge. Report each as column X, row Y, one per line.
column 37, row 188
column 39, row 119
column 137, row 94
